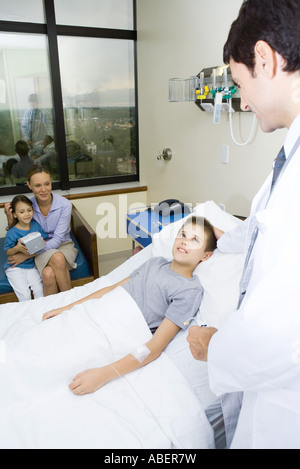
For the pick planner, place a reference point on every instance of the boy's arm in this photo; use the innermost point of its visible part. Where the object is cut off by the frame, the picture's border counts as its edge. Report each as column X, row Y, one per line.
column 91, row 380
column 98, row 294
column 218, row 233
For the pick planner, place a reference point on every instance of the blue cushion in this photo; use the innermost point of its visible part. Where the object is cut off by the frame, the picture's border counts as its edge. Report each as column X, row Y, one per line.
column 81, row 271
column 4, row 283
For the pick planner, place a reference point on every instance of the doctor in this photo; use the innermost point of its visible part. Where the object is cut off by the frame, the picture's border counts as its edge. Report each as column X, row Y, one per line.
column 256, row 354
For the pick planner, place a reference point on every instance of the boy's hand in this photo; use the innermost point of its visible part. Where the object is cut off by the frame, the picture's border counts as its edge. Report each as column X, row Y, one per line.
column 53, row 313
column 90, row 381
column 218, row 233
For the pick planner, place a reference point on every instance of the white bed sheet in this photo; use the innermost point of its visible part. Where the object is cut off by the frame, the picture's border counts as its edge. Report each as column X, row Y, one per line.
column 50, row 419
column 151, row 408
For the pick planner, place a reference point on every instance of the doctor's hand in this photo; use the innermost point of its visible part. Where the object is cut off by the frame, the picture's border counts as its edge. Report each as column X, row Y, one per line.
column 199, row 339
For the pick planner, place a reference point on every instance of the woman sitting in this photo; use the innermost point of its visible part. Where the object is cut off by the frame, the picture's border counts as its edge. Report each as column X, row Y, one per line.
column 53, row 213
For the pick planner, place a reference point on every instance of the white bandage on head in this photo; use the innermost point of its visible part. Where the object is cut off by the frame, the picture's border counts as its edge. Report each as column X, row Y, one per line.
column 141, row 353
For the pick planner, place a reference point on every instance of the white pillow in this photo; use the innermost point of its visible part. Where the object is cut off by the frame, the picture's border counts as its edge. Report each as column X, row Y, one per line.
column 220, row 275
column 163, row 241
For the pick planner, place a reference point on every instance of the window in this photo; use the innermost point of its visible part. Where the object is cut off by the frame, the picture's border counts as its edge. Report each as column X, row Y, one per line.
column 17, row 10
column 98, row 102
column 68, row 92
column 116, row 14
column 26, row 110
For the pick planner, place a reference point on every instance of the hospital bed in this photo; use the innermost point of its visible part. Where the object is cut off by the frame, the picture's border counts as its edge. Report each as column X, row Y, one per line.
column 165, row 405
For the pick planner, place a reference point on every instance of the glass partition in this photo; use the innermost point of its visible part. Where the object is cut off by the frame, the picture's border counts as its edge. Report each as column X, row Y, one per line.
column 99, row 106
column 26, row 114
column 31, row 11
column 113, row 14
column 67, row 92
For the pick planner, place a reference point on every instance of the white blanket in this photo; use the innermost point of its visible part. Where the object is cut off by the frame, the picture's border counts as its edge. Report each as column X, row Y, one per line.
column 150, row 408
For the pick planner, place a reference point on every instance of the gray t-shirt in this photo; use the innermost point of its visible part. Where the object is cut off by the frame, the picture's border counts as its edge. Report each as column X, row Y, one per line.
column 160, row 292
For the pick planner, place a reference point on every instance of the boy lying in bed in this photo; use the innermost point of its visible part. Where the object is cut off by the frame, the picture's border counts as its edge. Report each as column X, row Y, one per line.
column 167, row 293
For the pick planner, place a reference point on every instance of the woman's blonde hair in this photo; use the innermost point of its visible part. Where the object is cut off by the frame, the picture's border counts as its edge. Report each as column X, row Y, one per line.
column 37, row 169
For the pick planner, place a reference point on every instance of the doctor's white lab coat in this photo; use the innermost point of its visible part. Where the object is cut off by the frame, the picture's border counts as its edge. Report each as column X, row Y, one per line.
column 257, row 350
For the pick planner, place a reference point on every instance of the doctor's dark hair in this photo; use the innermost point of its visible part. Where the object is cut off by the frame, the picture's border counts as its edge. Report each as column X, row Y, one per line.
column 211, row 240
column 277, row 22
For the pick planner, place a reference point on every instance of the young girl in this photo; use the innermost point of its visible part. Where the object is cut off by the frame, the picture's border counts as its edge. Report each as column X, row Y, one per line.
column 167, row 294
column 24, row 278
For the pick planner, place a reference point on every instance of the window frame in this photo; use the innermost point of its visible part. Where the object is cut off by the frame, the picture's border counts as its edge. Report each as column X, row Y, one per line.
column 52, row 30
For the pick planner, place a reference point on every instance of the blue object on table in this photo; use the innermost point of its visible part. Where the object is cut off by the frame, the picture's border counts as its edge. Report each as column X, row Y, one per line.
column 141, row 226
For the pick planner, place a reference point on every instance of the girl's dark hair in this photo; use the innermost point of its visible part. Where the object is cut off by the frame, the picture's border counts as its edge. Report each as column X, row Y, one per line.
column 14, row 203
column 277, row 22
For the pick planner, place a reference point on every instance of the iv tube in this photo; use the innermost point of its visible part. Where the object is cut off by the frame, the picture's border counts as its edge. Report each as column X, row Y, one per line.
column 202, row 83
column 225, row 79
column 214, row 78
column 253, row 128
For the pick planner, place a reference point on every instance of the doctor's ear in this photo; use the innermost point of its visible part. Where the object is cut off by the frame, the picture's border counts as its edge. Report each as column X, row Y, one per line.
column 266, row 59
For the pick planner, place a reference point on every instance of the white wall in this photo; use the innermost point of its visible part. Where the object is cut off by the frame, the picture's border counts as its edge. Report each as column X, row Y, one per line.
column 107, row 216
column 178, row 38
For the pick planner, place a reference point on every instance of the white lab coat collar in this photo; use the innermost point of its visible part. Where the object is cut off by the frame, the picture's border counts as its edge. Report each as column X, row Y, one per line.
column 292, row 136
